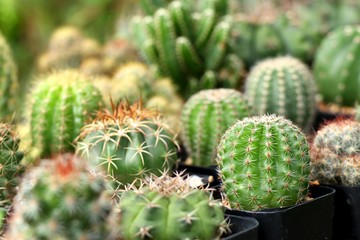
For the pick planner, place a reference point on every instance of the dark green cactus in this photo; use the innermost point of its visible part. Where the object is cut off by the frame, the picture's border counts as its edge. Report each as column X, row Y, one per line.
column 336, row 68
column 264, row 163
column 130, row 143
column 59, row 199
column 169, row 208
column 283, row 86
column 61, row 103
column 189, row 46
column 205, row 117
column 335, row 155
column 8, row 81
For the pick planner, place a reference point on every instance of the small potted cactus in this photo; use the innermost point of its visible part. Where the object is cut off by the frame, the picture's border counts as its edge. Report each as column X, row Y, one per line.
column 335, row 161
column 264, row 169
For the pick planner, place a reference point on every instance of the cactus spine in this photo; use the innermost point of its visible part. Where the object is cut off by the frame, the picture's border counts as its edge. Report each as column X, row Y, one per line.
column 335, row 155
column 168, row 208
column 283, row 86
column 263, row 163
column 61, row 104
column 59, row 199
column 205, row 117
column 130, row 143
column 336, row 66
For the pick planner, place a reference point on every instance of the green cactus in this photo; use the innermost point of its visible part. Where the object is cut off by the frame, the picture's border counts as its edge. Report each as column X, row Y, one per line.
column 130, row 143
column 11, row 168
column 61, row 103
column 335, row 155
column 59, row 199
column 357, row 112
column 336, row 66
column 205, row 117
column 283, row 86
column 169, row 208
column 189, row 46
column 264, row 163
column 8, row 81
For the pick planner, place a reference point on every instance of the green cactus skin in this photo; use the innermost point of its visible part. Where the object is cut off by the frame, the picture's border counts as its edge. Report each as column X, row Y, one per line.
column 128, row 144
column 335, row 154
column 283, row 86
column 263, row 163
column 205, row 117
column 336, row 68
column 8, row 81
column 10, row 167
column 61, row 103
column 186, row 44
column 59, row 199
column 168, row 208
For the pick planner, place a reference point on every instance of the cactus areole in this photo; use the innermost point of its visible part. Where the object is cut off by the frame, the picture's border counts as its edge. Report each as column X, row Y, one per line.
column 263, row 163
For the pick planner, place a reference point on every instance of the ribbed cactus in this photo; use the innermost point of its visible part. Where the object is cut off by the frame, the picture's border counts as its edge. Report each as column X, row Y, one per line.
column 336, row 66
column 283, row 86
column 168, row 208
column 190, row 45
column 335, row 155
column 205, row 118
column 61, row 103
column 129, row 143
column 10, row 166
column 59, row 199
column 264, row 163
column 8, row 81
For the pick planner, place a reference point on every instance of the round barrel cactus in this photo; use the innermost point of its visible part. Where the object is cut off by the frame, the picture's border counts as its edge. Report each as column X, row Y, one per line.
column 335, row 155
column 168, row 208
column 205, row 117
column 283, row 86
column 129, row 143
column 336, row 67
column 61, row 103
column 8, row 81
column 264, row 163
column 59, row 199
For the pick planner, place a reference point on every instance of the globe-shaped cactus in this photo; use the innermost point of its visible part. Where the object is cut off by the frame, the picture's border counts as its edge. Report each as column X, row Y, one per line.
column 335, row 155
column 205, row 117
column 263, row 163
column 283, row 86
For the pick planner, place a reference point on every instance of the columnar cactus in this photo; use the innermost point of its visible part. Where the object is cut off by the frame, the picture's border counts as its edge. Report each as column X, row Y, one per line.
column 168, row 208
column 335, row 155
column 264, row 163
column 8, row 81
column 10, row 159
column 336, row 66
column 130, row 143
column 59, row 199
column 61, row 103
column 283, row 86
column 191, row 46
column 205, row 118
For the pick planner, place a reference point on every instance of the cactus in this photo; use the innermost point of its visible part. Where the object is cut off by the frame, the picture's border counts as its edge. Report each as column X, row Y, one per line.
column 168, row 208
column 263, row 163
column 205, row 118
column 335, row 68
column 11, row 168
column 8, row 81
column 189, row 46
column 335, row 154
column 129, row 143
column 283, row 86
column 61, row 103
column 59, row 199
column 357, row 112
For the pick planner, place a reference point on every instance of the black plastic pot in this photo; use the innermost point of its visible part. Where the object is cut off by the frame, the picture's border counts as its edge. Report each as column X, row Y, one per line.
column 310, row 220
column 347, row 213
column 242, row 228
